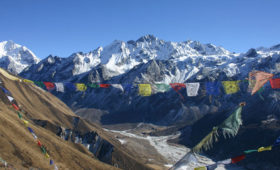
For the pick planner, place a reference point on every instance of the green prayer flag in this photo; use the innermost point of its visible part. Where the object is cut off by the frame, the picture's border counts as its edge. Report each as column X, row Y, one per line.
column 229, row 128
column 43, row 149
column 19, row 115
column 93, row 85
column 250, row 151
column 231, row 125
column 162, row 87
column 39, row 84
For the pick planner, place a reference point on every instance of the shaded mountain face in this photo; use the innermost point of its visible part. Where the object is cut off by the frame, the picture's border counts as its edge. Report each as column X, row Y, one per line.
column 150, row 60
column 72, row 142
column 14, row 57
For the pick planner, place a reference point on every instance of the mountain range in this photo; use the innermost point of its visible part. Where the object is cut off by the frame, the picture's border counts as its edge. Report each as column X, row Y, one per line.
column 151, row 60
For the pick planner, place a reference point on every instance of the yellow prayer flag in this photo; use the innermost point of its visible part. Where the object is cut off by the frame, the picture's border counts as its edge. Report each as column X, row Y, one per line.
column 81, row 86
column 145, row 89
column 231, row 86
column 47, row 155
column 268, row 148
column 25, row 122
column 200, row 168
column 27, row 81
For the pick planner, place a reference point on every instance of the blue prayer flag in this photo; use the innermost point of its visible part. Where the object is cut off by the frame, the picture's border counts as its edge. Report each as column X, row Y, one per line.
column 213, row 88
column 6, row 91
column 51, row 162
column 70, row 86
column 30, row 130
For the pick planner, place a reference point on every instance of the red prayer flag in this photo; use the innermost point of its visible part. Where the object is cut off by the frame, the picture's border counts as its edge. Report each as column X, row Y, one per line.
column 104, row 85
column 39, row 143
column 237, row 159
column 275, row 83
column 15, row 106
column 177, row 87
column 49, row 85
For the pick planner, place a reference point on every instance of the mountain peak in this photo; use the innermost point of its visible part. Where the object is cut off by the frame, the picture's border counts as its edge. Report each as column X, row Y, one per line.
column 15, row 57
column 147, row 38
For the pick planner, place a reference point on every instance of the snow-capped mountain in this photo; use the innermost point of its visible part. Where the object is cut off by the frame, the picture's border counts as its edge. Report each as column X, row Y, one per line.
column 119, row 57
column 151, row 60
column 15, row 57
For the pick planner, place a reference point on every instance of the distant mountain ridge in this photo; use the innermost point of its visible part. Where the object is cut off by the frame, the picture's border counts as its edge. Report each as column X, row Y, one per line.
column 119, row 57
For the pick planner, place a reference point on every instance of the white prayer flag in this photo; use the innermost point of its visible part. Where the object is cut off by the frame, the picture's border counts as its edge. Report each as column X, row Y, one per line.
column 34, row 136
column 59, row 87
column 226, row 161
column 10, row 98
column 192, row 89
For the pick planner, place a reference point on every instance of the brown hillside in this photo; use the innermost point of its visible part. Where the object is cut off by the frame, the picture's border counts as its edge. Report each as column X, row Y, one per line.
column 19, row 148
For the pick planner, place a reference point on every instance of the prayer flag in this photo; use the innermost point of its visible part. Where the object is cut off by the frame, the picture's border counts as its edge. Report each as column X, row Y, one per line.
column 43, row 149
column 260, row 78
column 47, row 155
column 49, row 85
column 55, row 167
column 275, row 83
column 104, row 85
column 10, row 98
column 277, row 142
column 25, row 122
column 27, row 81
column 19, row 115
column 231, row 86
column 59, row 87
column 70, row 86
column 237, row 159
column 162, row 87
column 93, row 85
column 15, row 106
column 261, row 149
column 39, row 143
column 6, row 91
column 213, row 88
column 145, row 89
column 250, row 151
column 30, row 130
column 51, row 162
column 34, row 136
column 39, row 84
column 192, row 89
column 81, row 87
column 229, row 127
column 226, row 161
column 177, row 87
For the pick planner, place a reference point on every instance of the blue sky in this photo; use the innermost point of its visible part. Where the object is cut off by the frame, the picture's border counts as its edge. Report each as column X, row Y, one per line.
column 62, row 27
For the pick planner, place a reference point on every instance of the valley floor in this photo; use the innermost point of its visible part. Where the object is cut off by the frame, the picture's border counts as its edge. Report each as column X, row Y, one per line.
column 156, row 151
